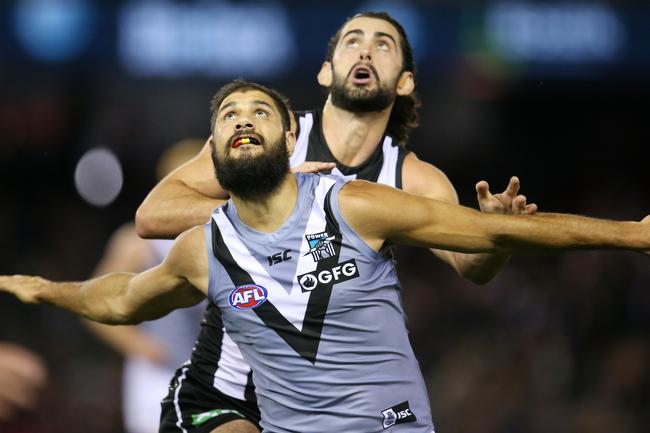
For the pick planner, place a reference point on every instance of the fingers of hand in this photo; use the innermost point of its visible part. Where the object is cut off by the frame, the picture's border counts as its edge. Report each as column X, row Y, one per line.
column 482, row 190
column 11, row 282
column 314, row 167
column 531, row 209
column 21, row 286
column 513, row 187
column 519, row 204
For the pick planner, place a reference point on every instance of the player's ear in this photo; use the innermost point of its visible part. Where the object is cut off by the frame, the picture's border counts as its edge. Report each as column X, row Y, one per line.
column 405, row 84
column 325, row 74
column 291, row 141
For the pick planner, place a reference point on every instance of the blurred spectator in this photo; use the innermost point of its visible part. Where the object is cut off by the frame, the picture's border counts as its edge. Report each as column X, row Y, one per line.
column 23, row 376
column 153, row 350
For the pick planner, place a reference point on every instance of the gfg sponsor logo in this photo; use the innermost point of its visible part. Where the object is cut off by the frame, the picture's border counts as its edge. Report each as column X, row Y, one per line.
column 247, row 297
column 342, row 272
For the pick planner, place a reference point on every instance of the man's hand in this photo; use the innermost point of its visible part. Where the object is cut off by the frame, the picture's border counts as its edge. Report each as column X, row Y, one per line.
column 26, row 288
column 313, row 167
column 508, row 202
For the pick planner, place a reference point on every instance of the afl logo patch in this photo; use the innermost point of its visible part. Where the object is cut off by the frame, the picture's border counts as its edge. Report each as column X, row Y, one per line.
column 247, row 297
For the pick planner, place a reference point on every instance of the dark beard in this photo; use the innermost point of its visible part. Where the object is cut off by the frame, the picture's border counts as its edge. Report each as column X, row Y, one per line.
column 253, row 178
column 361, row 100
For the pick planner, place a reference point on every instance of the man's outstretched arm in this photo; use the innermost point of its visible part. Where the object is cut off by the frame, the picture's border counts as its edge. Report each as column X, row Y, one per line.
column 122, row 297
column 379, row 213
column 183, row 199
column 423, row 179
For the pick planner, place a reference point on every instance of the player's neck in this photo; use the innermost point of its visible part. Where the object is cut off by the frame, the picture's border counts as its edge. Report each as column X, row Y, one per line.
column 353, row 137
column 268, row 214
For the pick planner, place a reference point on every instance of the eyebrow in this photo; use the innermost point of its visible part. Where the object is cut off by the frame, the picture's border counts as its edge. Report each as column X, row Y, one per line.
column 229, row 104
column 355, row 31
column 377, row 35
column 382, row 34
column 257, row 101
column 260, row 102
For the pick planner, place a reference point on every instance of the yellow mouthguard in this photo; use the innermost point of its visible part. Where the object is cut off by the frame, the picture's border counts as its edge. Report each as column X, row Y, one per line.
column 245, row 141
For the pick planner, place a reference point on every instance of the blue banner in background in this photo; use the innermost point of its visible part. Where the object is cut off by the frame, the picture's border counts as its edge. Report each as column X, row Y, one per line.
column 270, row 39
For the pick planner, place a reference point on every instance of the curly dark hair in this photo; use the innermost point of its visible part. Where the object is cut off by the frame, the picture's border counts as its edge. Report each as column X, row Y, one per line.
column 404, row 117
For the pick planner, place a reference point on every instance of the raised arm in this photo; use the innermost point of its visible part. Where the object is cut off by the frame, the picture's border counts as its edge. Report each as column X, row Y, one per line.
column 379, row 213
column 183, row 199
column 122, row 297
column 423, row 179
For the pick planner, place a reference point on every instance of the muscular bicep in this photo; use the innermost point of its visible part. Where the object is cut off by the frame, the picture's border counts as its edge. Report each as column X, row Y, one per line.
column 379, row 213
column 180, row 281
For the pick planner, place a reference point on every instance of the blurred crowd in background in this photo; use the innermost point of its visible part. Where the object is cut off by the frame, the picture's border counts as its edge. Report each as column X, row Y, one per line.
column 92, row 93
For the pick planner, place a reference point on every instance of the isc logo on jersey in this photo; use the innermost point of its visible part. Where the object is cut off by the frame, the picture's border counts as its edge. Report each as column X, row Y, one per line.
column 247, row 297
column 342, row 272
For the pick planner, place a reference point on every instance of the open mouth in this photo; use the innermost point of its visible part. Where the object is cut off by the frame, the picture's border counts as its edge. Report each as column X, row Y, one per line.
column 244, row 139
column 361, row 74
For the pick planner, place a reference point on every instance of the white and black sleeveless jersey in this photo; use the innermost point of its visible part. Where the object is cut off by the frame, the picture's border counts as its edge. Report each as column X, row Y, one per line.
column 384, row 165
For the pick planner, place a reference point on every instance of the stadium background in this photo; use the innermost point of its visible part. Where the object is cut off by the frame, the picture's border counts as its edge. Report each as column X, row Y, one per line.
column 554, row 92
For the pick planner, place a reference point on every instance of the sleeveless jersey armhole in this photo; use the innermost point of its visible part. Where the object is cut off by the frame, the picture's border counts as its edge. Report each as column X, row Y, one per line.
column 355, row 238
column 403, row 153
column 212, row 268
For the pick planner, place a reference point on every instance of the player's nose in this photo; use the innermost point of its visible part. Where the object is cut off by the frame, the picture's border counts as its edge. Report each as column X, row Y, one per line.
column 244, row 124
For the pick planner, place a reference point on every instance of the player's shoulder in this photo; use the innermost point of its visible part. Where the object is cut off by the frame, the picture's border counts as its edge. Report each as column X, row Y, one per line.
column 425, row 179
column 362, row 194
column 191, row 236
column 188, row 246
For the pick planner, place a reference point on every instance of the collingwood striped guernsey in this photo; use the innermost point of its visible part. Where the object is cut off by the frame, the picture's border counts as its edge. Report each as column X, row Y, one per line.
column 384, row 165
column 318, row 315
column 231, row 375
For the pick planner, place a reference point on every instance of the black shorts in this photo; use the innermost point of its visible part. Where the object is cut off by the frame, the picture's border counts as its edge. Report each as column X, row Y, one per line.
column 202, row 408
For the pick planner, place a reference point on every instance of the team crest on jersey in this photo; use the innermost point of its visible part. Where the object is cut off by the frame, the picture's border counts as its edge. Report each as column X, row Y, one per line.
column 247, row 297
column 320, row 246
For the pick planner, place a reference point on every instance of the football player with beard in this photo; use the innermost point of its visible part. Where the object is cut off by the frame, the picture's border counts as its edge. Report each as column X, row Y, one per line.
column 360, row 133
column 323, row 327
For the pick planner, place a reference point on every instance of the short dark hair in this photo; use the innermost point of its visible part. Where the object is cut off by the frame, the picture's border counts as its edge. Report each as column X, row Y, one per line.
column 241, row 85
column 404, row 117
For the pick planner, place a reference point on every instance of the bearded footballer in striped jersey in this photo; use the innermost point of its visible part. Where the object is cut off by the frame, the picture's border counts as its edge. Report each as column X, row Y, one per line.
column 308, row 325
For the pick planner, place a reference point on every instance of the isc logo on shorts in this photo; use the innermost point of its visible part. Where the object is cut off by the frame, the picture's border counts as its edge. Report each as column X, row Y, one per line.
column 247, row 297
column 398, row 414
